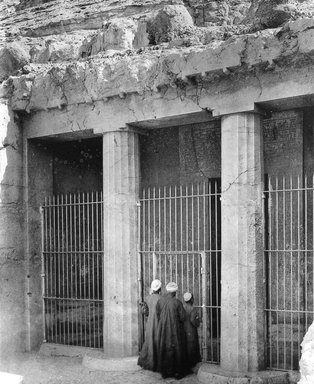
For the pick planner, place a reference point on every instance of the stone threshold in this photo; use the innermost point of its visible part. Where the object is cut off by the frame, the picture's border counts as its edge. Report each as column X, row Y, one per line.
column 96, row 359
column 214, row 374
column 59, row 350
column 92, row 358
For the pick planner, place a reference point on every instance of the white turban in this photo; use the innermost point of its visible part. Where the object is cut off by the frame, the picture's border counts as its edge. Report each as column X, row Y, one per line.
column 187, row 296
column 155, row 285
column 171, row 287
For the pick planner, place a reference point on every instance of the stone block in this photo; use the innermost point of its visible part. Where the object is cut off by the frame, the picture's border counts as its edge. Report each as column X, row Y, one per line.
column 300, row 25
column 306, row 41
column 97, row 361
column 50, row 350
column 212, row 6
column 213, row 374
column 262, row 48
column 211, row 16
column 170, row 22
column 12, row 57
column 117, row 35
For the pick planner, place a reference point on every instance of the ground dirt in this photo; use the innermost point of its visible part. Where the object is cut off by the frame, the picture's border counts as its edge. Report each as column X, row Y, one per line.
column 37, row 369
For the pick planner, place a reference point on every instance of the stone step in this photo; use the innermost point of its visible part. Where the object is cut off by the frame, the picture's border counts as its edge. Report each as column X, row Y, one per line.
column 97, row 360
column 213, row 374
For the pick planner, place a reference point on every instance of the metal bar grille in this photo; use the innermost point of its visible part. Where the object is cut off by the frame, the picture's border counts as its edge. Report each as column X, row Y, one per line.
column 289, row 204
column 180, row 241
column 72, row 269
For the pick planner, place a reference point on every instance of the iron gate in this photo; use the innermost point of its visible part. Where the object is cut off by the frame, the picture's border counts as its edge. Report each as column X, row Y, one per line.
column 72, row 269
column 289, row 234
column 180, row 241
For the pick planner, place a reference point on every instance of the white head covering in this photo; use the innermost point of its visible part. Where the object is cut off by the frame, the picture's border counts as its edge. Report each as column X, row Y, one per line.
column 187, row 296
column 171, row 287
column 155, row 285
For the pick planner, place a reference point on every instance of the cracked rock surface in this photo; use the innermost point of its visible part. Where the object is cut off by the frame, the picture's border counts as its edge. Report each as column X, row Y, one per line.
column 42, row 86
column 56, row 53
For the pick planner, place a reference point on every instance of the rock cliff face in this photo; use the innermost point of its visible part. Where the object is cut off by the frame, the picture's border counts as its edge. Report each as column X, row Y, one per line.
column 37, row 33
column 54, row 30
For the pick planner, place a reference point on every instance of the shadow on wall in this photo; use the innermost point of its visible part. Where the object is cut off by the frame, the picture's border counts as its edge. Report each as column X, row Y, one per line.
column 12, row 276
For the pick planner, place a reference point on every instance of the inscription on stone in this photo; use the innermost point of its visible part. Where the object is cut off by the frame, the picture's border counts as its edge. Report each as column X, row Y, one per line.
column 283, row 143
column 200, row 151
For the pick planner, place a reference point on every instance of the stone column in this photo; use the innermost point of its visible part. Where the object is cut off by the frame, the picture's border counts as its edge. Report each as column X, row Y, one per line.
column 120, row 189
column 242, row 295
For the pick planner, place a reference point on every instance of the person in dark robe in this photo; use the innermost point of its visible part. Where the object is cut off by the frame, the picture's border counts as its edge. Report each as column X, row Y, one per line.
column 147, row 358
column 191, row 323
column 171, row 350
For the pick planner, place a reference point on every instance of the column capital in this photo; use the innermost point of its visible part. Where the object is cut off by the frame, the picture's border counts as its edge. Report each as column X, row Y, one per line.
column 235, row 110
column 128, row 129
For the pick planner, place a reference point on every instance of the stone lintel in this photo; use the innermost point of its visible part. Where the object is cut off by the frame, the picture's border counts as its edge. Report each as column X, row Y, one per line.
column 273, row 91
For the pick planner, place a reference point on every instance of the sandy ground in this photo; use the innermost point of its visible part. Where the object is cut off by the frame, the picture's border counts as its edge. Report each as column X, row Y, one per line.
column 37, row 369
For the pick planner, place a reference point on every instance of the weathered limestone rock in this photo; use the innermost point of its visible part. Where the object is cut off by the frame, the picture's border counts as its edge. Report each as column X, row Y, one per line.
column 307, row 358
column 150, row 70
column 42, row 18
column 219, row 13
column 118, row 34
column 12, row 263
column 274, row 13
column 12, row 57
column 170, row 22
column 24, row 4
column 63, row 47
column 55, row 31
column 271, row 13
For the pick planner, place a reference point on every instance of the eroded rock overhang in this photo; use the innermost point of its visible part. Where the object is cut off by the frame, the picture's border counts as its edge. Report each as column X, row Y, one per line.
column 273, row 66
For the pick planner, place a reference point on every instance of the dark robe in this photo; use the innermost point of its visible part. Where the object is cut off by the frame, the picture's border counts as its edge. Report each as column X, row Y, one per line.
column 171, row 349
column 148, row 358
column 191, row 323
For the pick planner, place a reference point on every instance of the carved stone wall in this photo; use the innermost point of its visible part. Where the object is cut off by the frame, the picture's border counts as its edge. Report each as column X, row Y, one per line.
column 181, row 155
column 283, row 143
